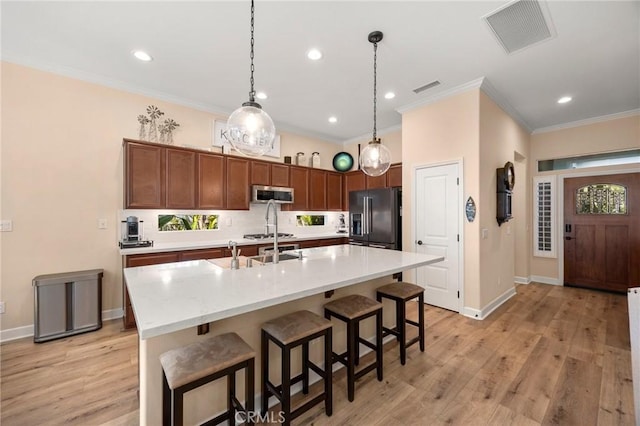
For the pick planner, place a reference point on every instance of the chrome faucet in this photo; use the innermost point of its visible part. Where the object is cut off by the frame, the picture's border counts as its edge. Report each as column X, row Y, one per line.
column 276, row 253
column 235, row 262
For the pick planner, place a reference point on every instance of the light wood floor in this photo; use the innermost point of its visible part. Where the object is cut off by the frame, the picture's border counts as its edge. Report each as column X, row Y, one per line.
column 550, row 355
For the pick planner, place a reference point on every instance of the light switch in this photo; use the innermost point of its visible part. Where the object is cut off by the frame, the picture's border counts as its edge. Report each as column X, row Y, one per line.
column 6, row 225
column 485, row 233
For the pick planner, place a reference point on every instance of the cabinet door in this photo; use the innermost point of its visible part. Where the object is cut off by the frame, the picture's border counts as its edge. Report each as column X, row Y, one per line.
column 202, row 254
column 334, row 191
column 280, row 175
column 353, row 181
column 237, row 184
column 394, row 176
column 181, row 179
column 260, row 173
column 144, row 176
column 250, row 250
column 142, row 260
column 317, row 190
column 299, row 181
column 376, row 181
column 211, row 181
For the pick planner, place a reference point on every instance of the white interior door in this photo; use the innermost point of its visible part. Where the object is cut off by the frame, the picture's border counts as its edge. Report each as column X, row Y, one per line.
column 437, row 222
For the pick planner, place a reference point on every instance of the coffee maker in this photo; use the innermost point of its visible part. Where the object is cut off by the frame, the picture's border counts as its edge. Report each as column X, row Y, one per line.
column 132, row 233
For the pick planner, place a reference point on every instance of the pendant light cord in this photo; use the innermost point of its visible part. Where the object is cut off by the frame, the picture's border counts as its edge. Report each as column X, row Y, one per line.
column 375, row 92
column 252, row 92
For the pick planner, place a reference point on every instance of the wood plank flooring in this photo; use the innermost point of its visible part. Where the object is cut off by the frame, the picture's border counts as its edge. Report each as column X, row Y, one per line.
column 549, row 356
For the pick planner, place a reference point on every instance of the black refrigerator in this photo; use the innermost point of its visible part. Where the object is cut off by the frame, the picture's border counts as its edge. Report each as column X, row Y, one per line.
column 375, row 218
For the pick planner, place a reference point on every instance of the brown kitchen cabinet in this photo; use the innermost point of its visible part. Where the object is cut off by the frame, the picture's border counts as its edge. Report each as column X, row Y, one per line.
column 374, row 182
column 260, row 173
column 299, row 181
column 394, row 175
column 334, row 191
column 323, row 242
column 202, row 254
column 238, row 194
column 280, row 175
column 142, row 260
column 211, row 181
column 317, row 189
column 144, row 167
column 180, row 179
column 353, row 181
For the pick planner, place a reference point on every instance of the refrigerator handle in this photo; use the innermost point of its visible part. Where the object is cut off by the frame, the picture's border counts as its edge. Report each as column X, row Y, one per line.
column 365, row 216
column 369, row 214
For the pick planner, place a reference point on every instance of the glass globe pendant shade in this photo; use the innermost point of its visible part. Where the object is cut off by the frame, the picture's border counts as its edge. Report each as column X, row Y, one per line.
column 250, row 130
column 375, row 159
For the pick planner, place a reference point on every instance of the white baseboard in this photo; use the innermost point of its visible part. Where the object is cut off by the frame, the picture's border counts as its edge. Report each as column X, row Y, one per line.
column 545, row 280
column 27, row 330
column 486, row 311
column 522, row 280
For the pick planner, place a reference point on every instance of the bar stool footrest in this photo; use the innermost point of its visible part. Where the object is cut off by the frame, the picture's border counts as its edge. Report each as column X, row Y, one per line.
column 368, row 344
column 413, row 323
column 412, row 341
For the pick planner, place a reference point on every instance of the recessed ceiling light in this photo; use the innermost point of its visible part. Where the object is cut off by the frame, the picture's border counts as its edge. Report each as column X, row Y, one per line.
column 389, row 95
column 314, row 54
column 261, row 95
column 142, row 55
column 564, row 99
column 333, row 119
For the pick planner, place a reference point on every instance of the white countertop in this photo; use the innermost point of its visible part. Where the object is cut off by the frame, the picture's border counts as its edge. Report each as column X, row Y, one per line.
column 179, row 246
column 174, row 296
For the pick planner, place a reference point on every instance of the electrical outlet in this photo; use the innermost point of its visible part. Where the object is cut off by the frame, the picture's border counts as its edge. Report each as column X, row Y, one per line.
column 227, row 221
column 6, row 225
column 485, row 233
column 102, row 223
column 2, row 307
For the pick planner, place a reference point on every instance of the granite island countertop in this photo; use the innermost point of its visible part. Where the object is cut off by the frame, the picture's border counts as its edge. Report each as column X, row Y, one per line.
column 175, row 296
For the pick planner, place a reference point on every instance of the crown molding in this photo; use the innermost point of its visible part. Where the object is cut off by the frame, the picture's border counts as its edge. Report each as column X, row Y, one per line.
column 367, row 136
column 473, row 84
column 588, row 121
column 481, row 83
column 129, row 88
column 502, row 102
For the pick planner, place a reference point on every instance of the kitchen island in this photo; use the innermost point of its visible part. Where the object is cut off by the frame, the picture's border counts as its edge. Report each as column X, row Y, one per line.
column 171, row 300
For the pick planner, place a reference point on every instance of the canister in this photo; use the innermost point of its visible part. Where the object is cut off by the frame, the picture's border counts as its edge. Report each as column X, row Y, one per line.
column 315, row 160
column 300, row 159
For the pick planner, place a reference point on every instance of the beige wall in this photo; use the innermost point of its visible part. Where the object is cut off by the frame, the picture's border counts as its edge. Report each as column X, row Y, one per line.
column 391, row 139
column 612, row 135
column 501, row 140
column 62, row 170
column 443, row 132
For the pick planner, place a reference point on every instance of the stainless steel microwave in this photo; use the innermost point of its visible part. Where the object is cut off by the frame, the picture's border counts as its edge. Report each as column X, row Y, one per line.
column 262, row 194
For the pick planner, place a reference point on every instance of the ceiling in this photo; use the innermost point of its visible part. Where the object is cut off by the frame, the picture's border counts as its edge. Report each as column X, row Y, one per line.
column 201, row 56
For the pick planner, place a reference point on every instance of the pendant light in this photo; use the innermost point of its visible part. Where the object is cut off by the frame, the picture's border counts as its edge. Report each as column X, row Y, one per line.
column 250, row 129
column 375, row 158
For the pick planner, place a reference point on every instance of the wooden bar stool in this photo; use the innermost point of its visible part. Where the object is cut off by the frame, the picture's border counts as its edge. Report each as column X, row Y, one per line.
column 288, row 332
column 353, row 309
column 202, row 362
column 401, row 292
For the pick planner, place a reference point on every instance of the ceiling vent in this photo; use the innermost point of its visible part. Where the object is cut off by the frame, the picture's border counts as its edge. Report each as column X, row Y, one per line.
column 426, row 86
column 520, row 24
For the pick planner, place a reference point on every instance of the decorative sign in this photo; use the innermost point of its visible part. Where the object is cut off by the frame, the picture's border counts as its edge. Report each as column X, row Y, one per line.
column 221, row 139
column 470, row 209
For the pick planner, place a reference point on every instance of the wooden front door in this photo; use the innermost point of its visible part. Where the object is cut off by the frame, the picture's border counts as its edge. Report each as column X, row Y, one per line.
column 602, row 232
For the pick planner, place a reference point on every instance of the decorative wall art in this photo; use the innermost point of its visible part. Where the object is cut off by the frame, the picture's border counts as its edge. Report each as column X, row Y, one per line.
column 470, row 209
column 310, row 220
column 221, row 139
column 150, row 126
column 187, row 222
column 342, row 161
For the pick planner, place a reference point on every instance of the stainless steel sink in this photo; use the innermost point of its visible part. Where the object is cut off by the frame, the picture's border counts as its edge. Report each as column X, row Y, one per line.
column 268, row 258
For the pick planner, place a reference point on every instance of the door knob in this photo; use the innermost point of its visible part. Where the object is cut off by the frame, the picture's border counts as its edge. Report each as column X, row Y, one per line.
column 568, row 238
column 419, row 242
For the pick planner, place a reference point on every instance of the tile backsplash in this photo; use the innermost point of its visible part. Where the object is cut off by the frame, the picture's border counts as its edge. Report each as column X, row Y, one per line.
column 232, row 224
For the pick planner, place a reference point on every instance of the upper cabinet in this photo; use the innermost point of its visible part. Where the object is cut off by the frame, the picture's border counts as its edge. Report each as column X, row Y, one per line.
column 299, row 181
column 168, row 177
column 211, row 181
column 180, row 179
column 237, row 183
column 260, row 173
column 144, row 172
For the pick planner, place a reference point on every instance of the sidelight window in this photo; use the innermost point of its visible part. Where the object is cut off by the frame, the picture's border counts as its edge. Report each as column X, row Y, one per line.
column 601, row 198
column 544, row 241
